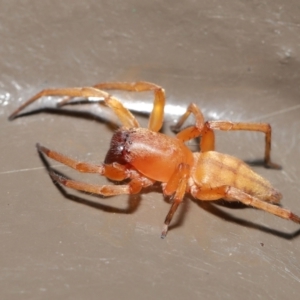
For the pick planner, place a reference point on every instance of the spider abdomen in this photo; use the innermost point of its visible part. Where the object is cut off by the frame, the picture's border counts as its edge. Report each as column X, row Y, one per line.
column 216, row 169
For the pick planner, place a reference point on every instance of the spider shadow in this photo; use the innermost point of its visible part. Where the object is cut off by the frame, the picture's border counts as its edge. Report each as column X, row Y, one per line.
column 213, row 208
column 90, row 114
column 85, row 115
column 84, row 109
column 260, row 163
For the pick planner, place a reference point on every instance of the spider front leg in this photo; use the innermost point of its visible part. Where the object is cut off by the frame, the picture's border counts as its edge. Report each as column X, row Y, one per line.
column 206, row 131
column 157, row 114
column 124, row 115
column 70, row 92
column 230, row 193
column 113, row 171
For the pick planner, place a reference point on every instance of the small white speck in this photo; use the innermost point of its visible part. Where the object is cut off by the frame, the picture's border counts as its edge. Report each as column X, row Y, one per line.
column 4, row 99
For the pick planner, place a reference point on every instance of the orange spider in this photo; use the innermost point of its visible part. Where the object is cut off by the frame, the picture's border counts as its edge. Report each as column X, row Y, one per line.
column 144, row 156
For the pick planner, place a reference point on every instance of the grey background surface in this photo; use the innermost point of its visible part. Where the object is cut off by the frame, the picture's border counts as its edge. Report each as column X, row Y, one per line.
column 238, row 60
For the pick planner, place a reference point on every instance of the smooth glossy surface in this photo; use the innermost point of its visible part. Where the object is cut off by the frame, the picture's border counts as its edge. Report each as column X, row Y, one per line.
column 238, row 61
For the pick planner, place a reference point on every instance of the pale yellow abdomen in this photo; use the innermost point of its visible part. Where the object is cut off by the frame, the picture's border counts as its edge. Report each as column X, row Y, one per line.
column 214, row 169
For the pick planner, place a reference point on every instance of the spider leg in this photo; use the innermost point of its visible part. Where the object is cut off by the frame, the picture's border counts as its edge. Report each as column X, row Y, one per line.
column 125, row 116
column 157, row 114
column 71, row 92
column 261, row 127
column 105, row 190
column 206, row 131
column 177, row 184
column 230, row 193
column 113, row 171
column 199, row 129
